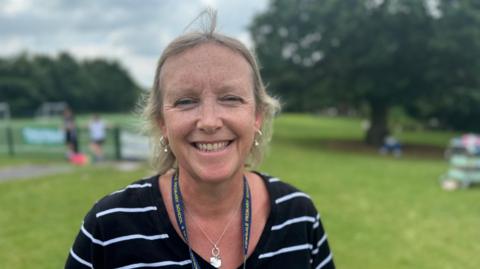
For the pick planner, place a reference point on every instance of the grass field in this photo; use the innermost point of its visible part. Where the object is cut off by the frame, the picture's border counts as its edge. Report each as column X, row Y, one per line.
column 379, row 211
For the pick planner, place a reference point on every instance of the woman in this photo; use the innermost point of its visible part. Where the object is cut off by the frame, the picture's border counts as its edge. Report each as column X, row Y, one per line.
column 210, row 118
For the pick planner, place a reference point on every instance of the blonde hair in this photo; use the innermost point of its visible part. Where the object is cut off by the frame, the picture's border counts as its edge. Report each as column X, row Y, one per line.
column 266, row 105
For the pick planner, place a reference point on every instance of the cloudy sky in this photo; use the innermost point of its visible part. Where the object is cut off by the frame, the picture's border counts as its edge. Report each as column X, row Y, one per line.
column 132, row 31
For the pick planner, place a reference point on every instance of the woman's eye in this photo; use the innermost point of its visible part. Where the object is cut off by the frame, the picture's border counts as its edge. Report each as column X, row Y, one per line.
column 185, row 102
column 232, row 99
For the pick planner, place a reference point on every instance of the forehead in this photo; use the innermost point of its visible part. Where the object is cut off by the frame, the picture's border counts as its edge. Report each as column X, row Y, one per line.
column 207, row 64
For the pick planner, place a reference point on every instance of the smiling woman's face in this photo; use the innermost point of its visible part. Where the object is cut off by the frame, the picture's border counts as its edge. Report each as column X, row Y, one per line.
column 209, row 115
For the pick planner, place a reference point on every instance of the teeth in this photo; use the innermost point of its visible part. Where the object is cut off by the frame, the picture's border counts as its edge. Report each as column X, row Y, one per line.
column 211, row 146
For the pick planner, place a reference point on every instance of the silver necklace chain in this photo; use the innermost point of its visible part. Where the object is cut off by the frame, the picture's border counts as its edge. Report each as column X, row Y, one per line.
column 216, row 260
column 215, row 244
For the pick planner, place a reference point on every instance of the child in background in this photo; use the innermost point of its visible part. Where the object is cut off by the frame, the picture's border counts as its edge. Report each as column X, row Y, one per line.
column 70, row 129
column 97, row 130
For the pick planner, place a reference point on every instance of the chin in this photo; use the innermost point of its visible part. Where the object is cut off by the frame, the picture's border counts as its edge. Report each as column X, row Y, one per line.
column 217, row 174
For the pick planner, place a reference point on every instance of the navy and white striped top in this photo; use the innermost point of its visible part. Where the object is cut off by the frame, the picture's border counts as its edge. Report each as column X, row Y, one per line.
column 130, row 228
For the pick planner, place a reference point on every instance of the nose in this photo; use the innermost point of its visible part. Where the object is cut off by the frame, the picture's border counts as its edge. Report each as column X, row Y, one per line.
column 209, row 119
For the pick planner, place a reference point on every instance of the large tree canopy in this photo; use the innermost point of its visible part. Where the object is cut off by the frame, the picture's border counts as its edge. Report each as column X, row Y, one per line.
column 93, row 85
column 411, row 53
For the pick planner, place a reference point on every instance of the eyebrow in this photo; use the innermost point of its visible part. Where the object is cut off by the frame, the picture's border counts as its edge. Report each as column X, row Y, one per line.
column 228, row 88
column 191, row 91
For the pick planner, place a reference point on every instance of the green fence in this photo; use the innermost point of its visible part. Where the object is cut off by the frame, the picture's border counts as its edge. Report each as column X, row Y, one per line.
column 48, row 141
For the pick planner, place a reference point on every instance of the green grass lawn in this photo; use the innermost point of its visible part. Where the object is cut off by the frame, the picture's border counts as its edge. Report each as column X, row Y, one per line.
column 379, row 211
column 40, row 218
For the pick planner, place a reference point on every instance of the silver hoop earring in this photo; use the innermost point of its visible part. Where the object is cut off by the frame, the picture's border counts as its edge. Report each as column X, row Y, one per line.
column 164, row 144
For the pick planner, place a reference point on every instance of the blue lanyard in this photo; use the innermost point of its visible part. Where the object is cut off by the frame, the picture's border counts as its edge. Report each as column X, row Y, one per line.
column 179, row 209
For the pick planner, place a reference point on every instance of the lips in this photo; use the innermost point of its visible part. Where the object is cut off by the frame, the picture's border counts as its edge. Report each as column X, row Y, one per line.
column 211, row 146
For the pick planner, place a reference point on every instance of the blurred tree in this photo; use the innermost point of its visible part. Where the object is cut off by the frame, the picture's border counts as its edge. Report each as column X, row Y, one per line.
column 111, row 82
column 93, row 85
column 15, row 89
column 378, row 53
column 455, row 65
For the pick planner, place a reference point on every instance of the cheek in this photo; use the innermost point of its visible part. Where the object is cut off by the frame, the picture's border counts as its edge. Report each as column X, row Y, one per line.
column 177, row 125
column 246, row 123
column 169, row 125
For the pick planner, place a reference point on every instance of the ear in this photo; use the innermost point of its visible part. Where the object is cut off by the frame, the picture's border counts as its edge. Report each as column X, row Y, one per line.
column 162, row 126
column 258, row 120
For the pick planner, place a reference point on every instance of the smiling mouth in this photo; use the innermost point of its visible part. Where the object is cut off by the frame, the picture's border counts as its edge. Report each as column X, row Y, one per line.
column 212, row 147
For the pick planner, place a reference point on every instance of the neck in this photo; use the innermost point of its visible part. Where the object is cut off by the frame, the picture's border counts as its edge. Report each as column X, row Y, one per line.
column 211, row 200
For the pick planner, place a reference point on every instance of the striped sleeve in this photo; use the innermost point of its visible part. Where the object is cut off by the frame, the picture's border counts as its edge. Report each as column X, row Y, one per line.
column 85, row 252
column 321, row 254
column 298, row 238
column 121, row 231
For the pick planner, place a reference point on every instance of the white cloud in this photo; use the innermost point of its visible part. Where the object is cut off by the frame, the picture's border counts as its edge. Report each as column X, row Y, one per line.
column 13, row 7
column 12, row 46
column 132, row 32
column 210, row 3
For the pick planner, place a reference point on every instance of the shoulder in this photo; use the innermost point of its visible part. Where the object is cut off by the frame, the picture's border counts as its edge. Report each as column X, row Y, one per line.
column 287, row 197
column 283, row 192
column 129, row 210
column 125, row 219
column 134, row 198
column 294, row 230
column 133, row 195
